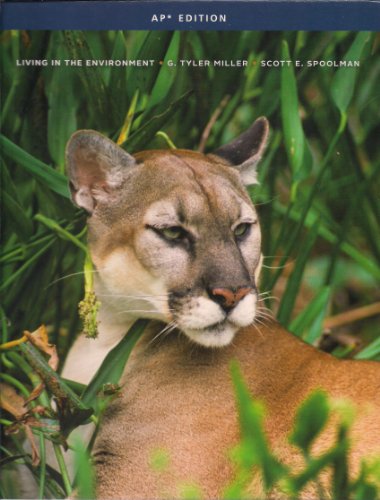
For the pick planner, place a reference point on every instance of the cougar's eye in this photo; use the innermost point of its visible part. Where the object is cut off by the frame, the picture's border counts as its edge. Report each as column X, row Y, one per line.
column 175, row 233
column 242, row 230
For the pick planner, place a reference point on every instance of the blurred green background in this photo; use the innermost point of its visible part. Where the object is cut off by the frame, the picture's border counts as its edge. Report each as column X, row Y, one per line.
column 319, row 192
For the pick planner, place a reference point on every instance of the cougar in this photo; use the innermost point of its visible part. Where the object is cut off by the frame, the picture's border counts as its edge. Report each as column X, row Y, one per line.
column 174, row 237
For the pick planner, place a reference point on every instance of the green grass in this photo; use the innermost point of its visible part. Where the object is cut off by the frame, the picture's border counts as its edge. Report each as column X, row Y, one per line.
column 319, row 180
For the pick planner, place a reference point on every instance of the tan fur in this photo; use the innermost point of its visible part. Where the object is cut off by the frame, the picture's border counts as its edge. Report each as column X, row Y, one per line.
column 178, row 394
column 179, row 398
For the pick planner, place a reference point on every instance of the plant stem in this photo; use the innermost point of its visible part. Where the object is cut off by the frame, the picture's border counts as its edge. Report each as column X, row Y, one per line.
column 167, row 139
column 12, row 343
column 41, row 487
column 4, row 325
column 16, row 383
column 25, row 266
column 63, row 469
column 63, row 233
column 124, row 134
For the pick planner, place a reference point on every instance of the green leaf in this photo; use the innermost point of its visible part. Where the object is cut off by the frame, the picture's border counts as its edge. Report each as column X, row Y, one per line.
column 312, row 316
column 254, row 449
column 21, row 223
column 295, row 280
column 62, row 115
column 43, row 173
column 313, row 469
column 371, row 351
column 24, row 80
column 147, row 132
column 85, row 474
column 296, row 147
column 117, row 85
column 14, row 211
column 167, row 74
column 366, row 491
column 113, row 365
column 61, row 232
column 340, row 481
column 91, row 77
column 251, row 413
column 307, row 220
column 15, row 277
column 310, row 420
column 153, row 47
column 343, row 84
column 189, row 491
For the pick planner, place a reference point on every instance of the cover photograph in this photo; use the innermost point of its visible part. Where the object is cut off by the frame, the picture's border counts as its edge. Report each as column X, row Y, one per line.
column 190, row 251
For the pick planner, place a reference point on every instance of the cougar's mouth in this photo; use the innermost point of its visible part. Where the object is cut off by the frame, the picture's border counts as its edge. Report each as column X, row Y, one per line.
column 217, row 335
column 207, row 324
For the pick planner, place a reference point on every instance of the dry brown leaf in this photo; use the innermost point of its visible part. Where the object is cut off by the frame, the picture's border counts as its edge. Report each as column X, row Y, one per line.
column 12, row 402
column 39, row 338
column 35, row 393
column 40, row 410
column 35, row 454
column 16, row 426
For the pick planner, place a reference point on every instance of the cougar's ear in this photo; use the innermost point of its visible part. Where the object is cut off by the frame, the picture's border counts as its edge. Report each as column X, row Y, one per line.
column 96, row 167
column 245, row 151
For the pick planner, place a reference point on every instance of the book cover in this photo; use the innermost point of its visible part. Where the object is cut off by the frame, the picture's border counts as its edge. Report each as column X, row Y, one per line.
column 156, row 314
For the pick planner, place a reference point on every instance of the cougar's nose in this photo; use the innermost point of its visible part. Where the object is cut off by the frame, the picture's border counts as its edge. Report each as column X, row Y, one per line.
column 228, row 298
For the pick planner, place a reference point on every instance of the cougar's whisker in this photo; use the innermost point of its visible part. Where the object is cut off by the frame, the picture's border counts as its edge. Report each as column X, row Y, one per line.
column 121, row 295
column 165, row 331
column 264, row 293
column 264, row 313
column 256, row 327
column 269, row 297
column 68, row 276
column 264, row 317
column 273, row 267
column 126, row 311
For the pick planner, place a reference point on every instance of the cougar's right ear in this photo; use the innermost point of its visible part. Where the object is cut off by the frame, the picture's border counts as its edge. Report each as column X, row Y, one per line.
column 96, row 168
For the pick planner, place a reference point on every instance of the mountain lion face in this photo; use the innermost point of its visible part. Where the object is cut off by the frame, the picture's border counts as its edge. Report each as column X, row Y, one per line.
column 173, row 234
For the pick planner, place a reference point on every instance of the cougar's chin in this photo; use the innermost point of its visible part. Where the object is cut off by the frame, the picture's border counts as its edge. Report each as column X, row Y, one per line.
column 219, row 335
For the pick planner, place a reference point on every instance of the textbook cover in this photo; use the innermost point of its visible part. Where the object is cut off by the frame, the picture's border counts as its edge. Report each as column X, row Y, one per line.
column 190, row 258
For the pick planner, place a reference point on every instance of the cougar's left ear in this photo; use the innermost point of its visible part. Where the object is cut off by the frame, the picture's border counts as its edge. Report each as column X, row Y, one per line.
column 245, row 151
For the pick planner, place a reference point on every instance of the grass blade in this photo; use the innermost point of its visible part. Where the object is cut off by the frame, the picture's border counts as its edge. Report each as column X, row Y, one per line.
column 84, row 483
column 343, row 84
column 144, row 134
column 62, row 115
column 16, row 216
column 295, row 142
column 371, row 351
column 154, row 48
column 312, row 315
column 294, row 282
column 43, row 173
column 91, row 78
column 113, row 365
column 167, row 74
